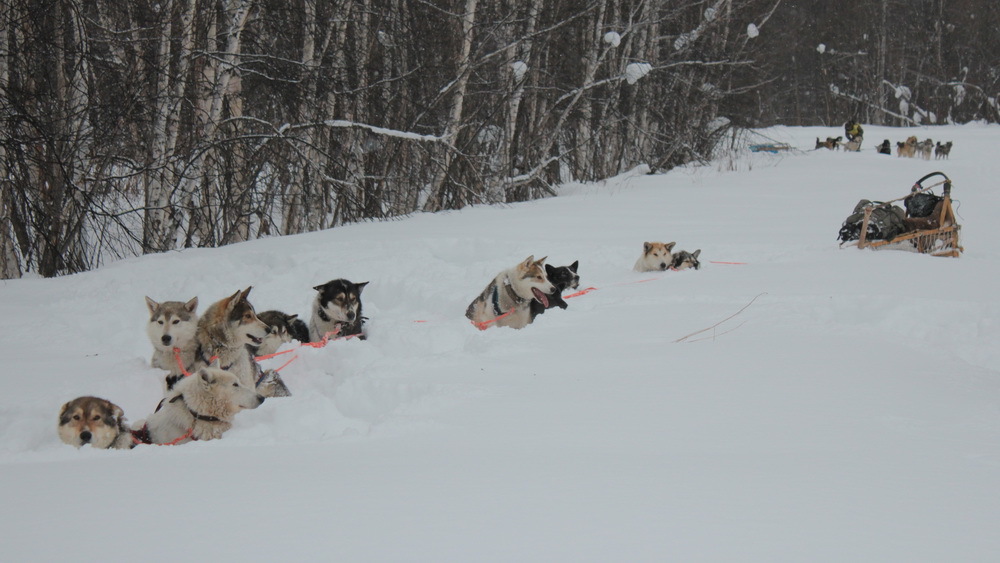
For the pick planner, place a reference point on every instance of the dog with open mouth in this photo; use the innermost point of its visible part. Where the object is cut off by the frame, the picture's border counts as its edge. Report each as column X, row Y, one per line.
column 337, row 310
column 506, row 301
column 229, row 331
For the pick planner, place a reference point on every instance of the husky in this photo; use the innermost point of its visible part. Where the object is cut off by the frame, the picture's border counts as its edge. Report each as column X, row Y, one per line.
column 507, row 299
column 281, row 328
column 683, row 260
column 227, row 331
column 854, row 144
column 655, row 256
column 337, row 308
column 171, row 327
column 94, row 421
column 200, row 407
column 562, row 278
column 942, row 150
column 925, row 148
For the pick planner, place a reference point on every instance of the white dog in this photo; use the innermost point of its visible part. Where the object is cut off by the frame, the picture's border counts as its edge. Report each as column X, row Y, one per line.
column 200, row 407
column 656, row 256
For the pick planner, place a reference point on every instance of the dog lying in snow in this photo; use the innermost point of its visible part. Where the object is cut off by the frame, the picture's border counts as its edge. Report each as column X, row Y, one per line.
column 200, row 407
column 507, row 299
column 94, row 421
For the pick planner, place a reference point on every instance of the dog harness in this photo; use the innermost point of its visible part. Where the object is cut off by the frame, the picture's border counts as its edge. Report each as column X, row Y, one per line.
column 517, row 299
column 352, row 327
column 141, row 436
column 208, row 360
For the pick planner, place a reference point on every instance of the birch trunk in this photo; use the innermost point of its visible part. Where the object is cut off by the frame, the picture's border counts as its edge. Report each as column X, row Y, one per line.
column 10, row 265
column 438, row 187
column 160, row 222
column 583, row 143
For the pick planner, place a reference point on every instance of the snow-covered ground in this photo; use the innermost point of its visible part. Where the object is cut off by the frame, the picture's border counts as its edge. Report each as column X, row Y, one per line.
column 850, row 413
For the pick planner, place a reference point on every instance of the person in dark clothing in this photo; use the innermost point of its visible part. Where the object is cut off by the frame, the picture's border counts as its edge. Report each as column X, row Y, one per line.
column 853, row 129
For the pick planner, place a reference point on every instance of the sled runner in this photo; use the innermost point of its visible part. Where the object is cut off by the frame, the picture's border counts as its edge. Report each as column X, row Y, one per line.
column 927, row 226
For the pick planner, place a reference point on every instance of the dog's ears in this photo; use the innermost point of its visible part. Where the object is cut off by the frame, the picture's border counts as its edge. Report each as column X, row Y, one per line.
column 646, row 247
column 291, row 318
column 574, row 266
column 207, row 377
column 549, row 269
column 190, row 305
column 152, row 305
column 244, row 293
column 696, row 253
column 232, row 300
column 119, row 414
column 360, row 286
column 670, row 246
column 527, row 261
column 541, row 260
column 62, row 410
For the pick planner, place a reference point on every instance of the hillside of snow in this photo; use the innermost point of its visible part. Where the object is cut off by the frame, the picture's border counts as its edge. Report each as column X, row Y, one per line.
column 846, row 407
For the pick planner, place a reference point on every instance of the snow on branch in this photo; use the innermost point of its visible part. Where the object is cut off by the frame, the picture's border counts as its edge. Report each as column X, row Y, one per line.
column 709, row 16
column 383, row 131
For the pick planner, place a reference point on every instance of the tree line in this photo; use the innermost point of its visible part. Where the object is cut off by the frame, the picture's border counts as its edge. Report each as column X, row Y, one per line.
column 138, row 126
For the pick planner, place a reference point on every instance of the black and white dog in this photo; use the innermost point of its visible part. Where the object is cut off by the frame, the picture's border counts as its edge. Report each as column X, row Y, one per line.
column 562, row 278
column 337, row 308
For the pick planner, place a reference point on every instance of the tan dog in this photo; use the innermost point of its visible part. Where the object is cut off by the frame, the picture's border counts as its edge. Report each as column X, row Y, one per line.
column 907, row 149
column 656, row 256
column 507, row 299
column 832, row 143
column 94, row 421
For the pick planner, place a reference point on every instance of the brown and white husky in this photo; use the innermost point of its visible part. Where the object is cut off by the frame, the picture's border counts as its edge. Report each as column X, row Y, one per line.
column 507, row 299
column 225, row 330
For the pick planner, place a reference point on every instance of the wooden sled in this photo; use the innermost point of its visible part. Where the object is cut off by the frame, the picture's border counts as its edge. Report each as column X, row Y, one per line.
column 941, row 240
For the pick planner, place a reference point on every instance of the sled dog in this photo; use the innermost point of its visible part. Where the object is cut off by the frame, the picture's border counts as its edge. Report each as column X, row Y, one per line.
column 683, row 260
column 655, row 256
column 907, row 148
column 337, row 308
column 200, row 407
column 942, row 150
column 884, row 148
column 562, row 278
column 925, row 148
column 281, row 328
column 94, row 421
column 172, row 325
column 854, row 144
column 832, row 143
column 228, row 330
column 508, row 297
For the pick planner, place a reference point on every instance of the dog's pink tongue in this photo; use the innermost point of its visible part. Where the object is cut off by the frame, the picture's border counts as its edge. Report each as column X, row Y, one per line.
column 541, row 297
